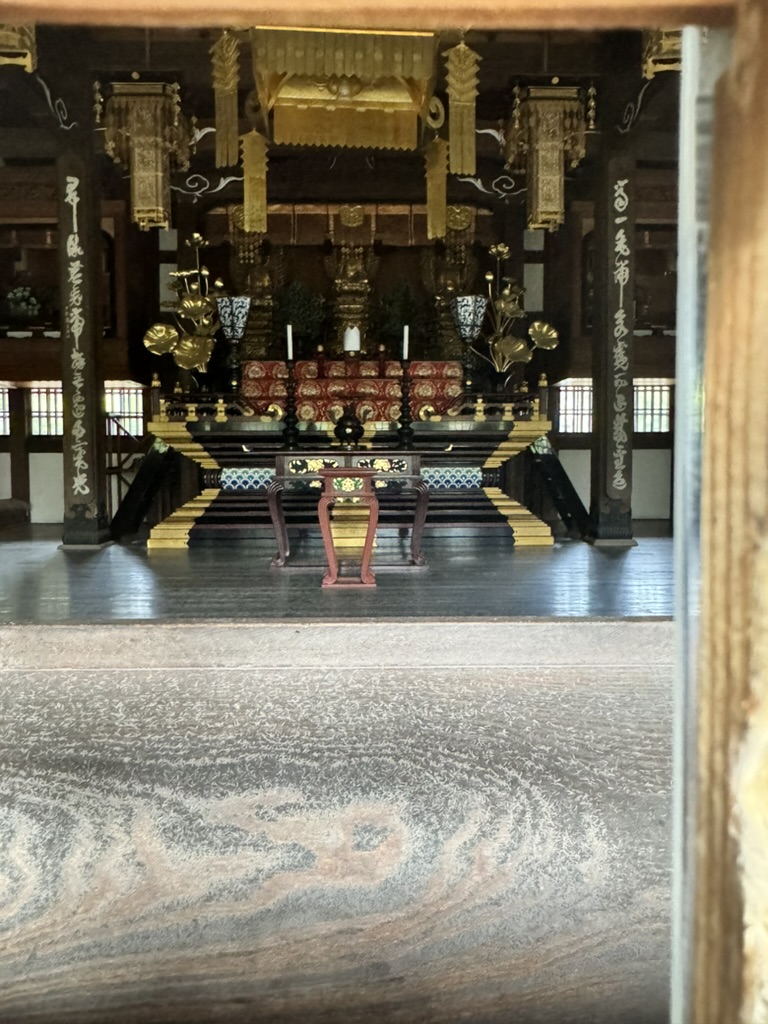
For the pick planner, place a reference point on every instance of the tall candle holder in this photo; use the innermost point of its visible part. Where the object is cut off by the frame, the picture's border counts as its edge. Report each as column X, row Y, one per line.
column 290, row 430
column 405, row 431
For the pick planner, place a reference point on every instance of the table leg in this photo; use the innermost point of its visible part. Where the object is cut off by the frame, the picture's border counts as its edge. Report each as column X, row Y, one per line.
column 323, row 514
column 419, row 519
column 366, row 576
column 277, row 515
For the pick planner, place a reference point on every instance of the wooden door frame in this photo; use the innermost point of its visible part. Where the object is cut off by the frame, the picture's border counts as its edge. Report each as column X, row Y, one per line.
column 729, row 978
column 391, row 14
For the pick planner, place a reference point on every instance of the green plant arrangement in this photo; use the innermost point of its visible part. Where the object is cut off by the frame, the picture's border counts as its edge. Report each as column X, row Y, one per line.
column 20, row 304
column 295, row 304
column 401, row 306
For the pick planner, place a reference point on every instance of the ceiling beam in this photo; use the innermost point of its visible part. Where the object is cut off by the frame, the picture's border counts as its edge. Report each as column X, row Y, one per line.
column 381, row 14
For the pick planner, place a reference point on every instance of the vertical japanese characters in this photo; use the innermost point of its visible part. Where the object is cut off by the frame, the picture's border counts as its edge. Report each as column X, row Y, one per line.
column 621, row 332
column 75, row 324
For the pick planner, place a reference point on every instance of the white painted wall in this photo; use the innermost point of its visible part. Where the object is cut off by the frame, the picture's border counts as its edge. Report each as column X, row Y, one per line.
column 576, row 463
column 46, row 487
column 5, row 474
column 651, row 479
column 651, row 483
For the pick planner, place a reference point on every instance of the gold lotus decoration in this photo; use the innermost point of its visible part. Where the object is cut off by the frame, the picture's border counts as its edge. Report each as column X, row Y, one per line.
column 502, row 307
column 191, row 341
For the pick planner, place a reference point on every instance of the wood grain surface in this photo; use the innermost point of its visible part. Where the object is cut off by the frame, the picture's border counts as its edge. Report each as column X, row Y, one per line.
column 272, row 831
column 386, row 14
column 730, row 932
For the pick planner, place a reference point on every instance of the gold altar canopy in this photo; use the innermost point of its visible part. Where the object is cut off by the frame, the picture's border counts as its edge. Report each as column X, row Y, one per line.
column 359, row 89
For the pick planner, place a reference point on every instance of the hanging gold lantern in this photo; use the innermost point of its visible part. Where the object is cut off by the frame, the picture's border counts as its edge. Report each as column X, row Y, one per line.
column 144, row 128
column 545, row 132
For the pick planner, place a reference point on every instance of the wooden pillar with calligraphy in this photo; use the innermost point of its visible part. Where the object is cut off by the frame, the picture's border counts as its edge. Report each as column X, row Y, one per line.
column 85, row 507
column 612, row 356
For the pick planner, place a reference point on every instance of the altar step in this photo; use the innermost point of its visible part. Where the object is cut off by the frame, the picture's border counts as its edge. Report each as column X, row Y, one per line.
column 245, row 515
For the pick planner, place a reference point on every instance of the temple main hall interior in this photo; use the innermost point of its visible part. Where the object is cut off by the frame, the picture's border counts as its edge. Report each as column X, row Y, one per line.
column 337, row 419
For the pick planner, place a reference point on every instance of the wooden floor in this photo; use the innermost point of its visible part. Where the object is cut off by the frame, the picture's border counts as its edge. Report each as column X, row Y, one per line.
column 466, row 578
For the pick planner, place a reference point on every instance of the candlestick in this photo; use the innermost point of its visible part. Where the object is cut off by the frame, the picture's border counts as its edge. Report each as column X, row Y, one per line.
column 290, row 420
column 405, row 431
column 289, row 340
column 406, row 332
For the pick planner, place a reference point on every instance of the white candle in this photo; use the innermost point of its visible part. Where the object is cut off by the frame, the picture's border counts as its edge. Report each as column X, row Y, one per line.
column 405, row 342
column 289, row 339
column 352, row 339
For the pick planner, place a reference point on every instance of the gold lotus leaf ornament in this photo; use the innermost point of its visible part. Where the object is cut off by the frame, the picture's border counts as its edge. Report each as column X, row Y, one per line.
column 543, row 335
column 507, row 350
column 161, row 338
column 193, row 353
column 514, row 349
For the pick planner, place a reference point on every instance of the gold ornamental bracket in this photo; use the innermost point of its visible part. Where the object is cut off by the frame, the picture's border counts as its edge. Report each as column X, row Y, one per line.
column 545, row 132
column 662, row 51
column 145, row 129
column 18, row 45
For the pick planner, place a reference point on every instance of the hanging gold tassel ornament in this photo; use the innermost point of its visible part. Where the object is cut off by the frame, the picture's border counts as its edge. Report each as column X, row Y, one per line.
column 461, row 82
column 436, row 158
column 255, row 182
column 225, row 57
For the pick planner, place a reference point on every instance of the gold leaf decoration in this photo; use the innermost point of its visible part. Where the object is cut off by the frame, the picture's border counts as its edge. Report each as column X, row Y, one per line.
column 255, row 183
column 18, row 46
column 543, row 335
column 436, row 157
column 461, row 82
column 459, row 218
column 161, row 338
column 507, row 350
column 326, row 87
column 225, row 56
column 193, row 353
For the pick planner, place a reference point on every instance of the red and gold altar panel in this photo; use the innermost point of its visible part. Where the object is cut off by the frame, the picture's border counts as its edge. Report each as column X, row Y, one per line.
column 372, row 387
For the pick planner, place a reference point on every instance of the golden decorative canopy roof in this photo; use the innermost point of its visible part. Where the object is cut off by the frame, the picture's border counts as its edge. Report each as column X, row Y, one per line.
column 351, row 89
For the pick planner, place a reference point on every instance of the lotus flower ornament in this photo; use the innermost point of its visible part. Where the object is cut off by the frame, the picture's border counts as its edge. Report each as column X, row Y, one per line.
column 502, row 307
column 190, row 342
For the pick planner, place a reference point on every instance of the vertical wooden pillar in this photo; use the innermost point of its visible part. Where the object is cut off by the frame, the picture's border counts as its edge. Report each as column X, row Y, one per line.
column 731, row 893
column 612, row 373
column 706, row 55
column 19, row 446
column 85, row 507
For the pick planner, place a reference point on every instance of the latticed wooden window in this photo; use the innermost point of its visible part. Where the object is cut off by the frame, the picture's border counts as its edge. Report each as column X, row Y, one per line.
column 575, row 406
column 125, row 408
column 653, row 406
column 46, row 410
column 5, row 411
